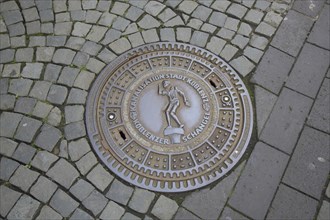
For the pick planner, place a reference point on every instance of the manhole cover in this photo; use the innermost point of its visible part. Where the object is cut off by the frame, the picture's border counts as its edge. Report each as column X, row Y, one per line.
column 169, row 117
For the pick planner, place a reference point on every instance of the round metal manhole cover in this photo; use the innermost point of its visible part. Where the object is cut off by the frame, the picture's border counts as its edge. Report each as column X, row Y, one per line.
column 169, row 117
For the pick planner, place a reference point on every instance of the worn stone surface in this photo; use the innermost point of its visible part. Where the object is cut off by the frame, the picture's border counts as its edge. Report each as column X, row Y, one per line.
column 119, row 192
column 310, row 161
column 183, row 214
column 286, row 120
column 164, row 208
column 63, row 173
column 48, row 213
column 321, row 29
column 7, row 168
column 27, row 129
column 48, row 137
column 309, row 70
column 100, row 177
column 259, row 181
column 24, row 153
column 81, row 189
column 63, row 203
column 43, row 189
column 289, row 203
column 112, row 211
column 7, row 146
column 23, row 178
column 292, row 33
column 8, row 199
column 43, row 160
column 320, row 116
column 25, row 208
column 141, row 200
column 95, row 202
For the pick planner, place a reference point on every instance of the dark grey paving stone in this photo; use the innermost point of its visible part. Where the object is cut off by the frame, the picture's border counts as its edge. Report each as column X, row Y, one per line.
column 73, row 113
column 273, row 70
column 77, row 96
column 56, row 41
column 48, row 137
column 68, row 75
column 48, row 213
column 229, row 213
column 164, row 208
column 16, row 29
column 25, row 105
column 258, row 182
column 292, row 33
column 321, row 29
column 208, row 203
column 95, row 202
column 7, row 55
column 23, row 178
column 265, row 102
column 8, row 146
column 9, row 123
column 183, row 214
column 20, row 87
column 27, row 129
column 43, row 189
column 100, row 178
column 290, row 204
column 129, row 216
column 78, row 148
column 81, row 189
column 80, row 214
column 86, row 163
column 64, row 56
column 52, row 72
column 119, row 192
column 7, row 102
column 309, row 166
column 141, row 200
column 25, row 208
column 7, row 168
column 12, row 17
column 40, row 90
column 112, row 211
column 320, row 116
column 309, row 70
column 63, row 203
column 286, row 120
column 43, row 160
column 57, row 94
column 74, row 130
column 24, row 153
column 4, row 85
column 63, row 173
column 8, row 199
column 308, row 8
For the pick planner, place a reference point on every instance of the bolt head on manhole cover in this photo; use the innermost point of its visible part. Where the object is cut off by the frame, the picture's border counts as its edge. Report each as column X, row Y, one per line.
column 169, row 117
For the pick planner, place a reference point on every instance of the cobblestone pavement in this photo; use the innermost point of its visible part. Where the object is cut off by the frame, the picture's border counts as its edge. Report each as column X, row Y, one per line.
column 51, row 51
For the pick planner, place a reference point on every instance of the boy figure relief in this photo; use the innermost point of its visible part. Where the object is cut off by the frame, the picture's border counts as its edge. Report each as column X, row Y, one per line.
column 172, row 92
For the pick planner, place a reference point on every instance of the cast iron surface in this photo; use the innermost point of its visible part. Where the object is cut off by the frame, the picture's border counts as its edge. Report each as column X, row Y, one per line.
column 169, row 117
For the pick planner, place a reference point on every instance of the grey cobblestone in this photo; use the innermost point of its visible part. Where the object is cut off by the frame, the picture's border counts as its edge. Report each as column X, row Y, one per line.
column 141, row 200
column 57, row 94
column 45, row 54
column 25, row 105
column 91, row 48
column 148, row 22
column 164, row 208
column 16, row 29
column 119, row 192
column 183, row 214
column 112, row 211
column 188, row 6
column 7, row 168
column 77, row 96
column 23, row 178
column 119, row 8
column 84, row 80
column 176, row 21
column 24, row 153
column 80, row 214
column 32, row 70
column 41, row 110
column 43, row 160
column 33, row 27
column 35, row 41
column 75, row 43
column 95, row 65
column 78, row 148
column 96, row 33
column 7, row 55
column 8, row 146
column 63, row 56
column 237, row 10
column 52, row 72
column 154, row 7
column 56, row 41
column 86, row 163
column 47, row 212
column 63, row 203
column 68, row 75
column 199, row 38
column 136, row 39
column 242, row 65
column 43, row 189
column 150, row 36
column 216, row 45
column 54, row 117
column 100, row 177
column 95, row 202
column 229, row 213
column 74, row 130
column 27, row 129
column 321, row 29
column 254, row 16
column 25, row 208
column 81, row 189
column 7, row 102
column 63, row 173
column 18, row 42
column 93, row 16
column 9, row 123
column 183, row 34
column 40, row 90
column 253, row 54
column 8, row 199
column 167, row 34
column 202, row 13
column 12, row 70
column 324, row 211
